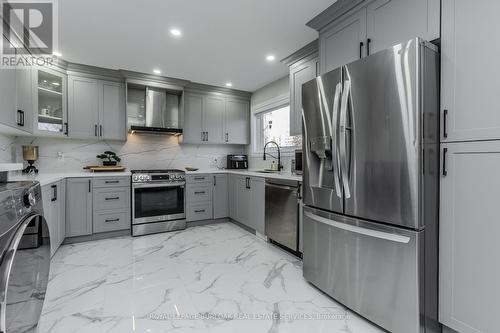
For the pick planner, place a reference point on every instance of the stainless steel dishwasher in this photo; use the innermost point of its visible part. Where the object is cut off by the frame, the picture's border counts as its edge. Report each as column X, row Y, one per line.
column 282, row 212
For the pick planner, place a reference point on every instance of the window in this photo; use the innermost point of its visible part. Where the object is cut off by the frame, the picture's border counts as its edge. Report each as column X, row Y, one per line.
column 274, row 125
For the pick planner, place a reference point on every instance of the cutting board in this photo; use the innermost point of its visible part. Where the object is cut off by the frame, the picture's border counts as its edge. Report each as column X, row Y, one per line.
column 98, row 168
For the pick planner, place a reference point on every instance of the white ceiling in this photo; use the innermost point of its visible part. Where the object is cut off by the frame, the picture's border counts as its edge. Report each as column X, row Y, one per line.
column 223, row 40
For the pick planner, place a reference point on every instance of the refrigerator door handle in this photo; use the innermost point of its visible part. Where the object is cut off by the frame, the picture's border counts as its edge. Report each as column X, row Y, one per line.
column 343, row 138
column 359, row 230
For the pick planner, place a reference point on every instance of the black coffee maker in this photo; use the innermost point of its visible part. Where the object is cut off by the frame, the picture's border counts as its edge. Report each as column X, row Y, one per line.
column 237, row 161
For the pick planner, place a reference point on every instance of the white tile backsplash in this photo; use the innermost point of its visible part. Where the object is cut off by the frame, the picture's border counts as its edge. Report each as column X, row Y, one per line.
column 6, row 148
column 139, row 152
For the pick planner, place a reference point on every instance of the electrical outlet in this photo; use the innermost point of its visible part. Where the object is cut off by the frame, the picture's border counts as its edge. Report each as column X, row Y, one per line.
column 60, row 155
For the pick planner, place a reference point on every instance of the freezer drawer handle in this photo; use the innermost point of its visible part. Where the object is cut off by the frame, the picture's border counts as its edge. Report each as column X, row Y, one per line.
column 359, row 230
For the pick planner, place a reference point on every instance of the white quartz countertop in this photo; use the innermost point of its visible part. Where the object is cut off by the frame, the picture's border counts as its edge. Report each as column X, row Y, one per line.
column 252, row 173
column 45, row 178
column 49, row 178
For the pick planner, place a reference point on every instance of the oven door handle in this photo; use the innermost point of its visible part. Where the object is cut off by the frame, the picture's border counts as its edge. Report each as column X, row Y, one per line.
column 181, row 185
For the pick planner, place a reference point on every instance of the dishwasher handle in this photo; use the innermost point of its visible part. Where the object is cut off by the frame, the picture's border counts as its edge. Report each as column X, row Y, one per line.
column 283, row 187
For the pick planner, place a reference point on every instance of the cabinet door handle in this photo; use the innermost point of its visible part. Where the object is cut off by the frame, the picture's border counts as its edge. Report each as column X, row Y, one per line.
column 227, row 137
column 113, row 198
column 111, row 220
column 95, row 130
column 66, row 127
column 200, row 211
column 215, row 181
column 445, row 152
column 199, row 192
column 368, row 43
column 54, row 193
column 20, row 118
column 90, row 186
column 100, row 131
column 361, row 44
column 445, row 120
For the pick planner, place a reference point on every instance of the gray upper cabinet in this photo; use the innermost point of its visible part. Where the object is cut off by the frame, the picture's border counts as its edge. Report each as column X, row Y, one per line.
column 390, row 22
column 213, row 119
column 78, row 207
column 49, row 102
column 193, row 118
column 342, row 41
column 220, row 196
column 112, row 113
column 349, row 31
column 216, row 118
column 24, row 98
column 8, row 97
column 96, row 109
column 468, row 237
column 300, row 73
column 83, row 108
column 237, row 123
column 470, row 74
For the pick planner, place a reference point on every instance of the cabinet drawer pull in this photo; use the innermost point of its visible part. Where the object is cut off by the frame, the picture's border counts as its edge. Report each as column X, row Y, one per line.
column 113, row 198
column 199, row 192
column 199, row 178
column 111, row 182
column 200, row 211
column 111, row 220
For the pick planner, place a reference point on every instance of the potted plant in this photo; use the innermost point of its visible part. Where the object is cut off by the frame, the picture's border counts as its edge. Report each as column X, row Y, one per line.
column 109, row 158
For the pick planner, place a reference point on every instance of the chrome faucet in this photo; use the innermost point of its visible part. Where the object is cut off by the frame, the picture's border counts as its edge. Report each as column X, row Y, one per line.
column 279, row 154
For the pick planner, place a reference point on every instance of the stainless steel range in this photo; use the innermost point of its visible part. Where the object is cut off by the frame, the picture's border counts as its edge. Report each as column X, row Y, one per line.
column 158, row 201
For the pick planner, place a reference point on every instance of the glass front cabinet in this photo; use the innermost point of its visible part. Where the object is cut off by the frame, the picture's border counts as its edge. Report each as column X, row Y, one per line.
column 50, row 102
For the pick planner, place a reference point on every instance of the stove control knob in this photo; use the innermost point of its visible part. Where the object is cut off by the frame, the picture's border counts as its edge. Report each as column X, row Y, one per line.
column 29, row 199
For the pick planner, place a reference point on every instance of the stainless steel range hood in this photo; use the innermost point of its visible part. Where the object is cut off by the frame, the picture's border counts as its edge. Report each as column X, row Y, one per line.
column 154, row 109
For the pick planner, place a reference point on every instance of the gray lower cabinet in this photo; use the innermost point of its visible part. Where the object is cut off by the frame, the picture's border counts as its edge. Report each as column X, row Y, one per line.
column 247, row 201
column 111, row 204
column 301, row 72
column 469, row 229
column 53, row 198
column 78, row 207
column 220, row 196
column 199, row 192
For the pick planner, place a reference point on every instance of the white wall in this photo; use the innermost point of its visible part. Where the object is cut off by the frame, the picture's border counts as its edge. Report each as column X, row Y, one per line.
column 270, row 91
column 264, row 95
column 6, row 148
column 139, row 152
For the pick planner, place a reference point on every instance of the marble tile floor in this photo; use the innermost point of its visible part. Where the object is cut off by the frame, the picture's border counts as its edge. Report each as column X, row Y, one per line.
column 213, row 278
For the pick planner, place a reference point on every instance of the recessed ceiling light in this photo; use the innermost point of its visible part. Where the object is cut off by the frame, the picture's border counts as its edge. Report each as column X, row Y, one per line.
column 229, row 84
column 175, row 32
column 156, row 71
column 270, row 57
column 57, row 54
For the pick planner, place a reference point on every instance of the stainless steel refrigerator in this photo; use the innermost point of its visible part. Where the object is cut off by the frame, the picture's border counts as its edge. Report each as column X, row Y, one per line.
column 371, row 164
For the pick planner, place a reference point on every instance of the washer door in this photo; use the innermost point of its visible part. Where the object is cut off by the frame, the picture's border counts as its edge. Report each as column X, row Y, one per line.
column 23, row 280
